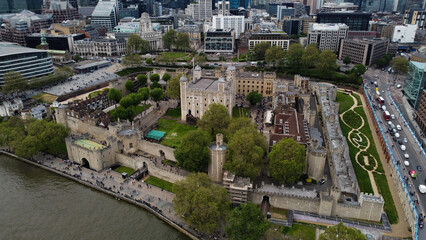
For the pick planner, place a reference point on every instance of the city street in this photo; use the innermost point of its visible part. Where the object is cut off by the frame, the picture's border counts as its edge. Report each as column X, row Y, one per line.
column 416, row 159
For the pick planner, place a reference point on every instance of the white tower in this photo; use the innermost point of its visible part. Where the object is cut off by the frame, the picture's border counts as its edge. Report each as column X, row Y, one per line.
column 145, row 24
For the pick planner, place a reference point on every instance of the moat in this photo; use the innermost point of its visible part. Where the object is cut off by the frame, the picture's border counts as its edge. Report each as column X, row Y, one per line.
column 37, row 204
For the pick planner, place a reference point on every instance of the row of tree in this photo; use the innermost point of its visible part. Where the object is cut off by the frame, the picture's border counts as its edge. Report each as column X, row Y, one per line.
column 176, row 40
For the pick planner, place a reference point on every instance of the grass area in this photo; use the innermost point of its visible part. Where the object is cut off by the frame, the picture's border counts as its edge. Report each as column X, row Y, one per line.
column 45, row 98
column 299, row 231
column 345, row 101
column 123, row 169
column 173, row 112
column 352, row 119
column 174, row 131
column 279, row 213
column 358, row 98
column 163, row 184
column 170, row 163
column 128, row 71
column 174, row 55
column 240, row 111
column 96, row 93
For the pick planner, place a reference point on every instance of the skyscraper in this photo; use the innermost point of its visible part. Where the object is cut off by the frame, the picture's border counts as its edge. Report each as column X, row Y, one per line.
column 410, row 4
column 13, row 6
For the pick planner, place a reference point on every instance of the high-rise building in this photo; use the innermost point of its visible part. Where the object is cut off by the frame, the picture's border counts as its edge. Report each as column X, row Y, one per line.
column 356, row 21
column 377, row 5
column 106, row 14
column 363, row 51
column 410, row 4
column 229, row 22
column 235, row 4
column 14, row 6
column 285, row 12
column 61, row 10
column 327, row 36
column 223, row 7
column 415, row 16
column 219, row 41
column 200, row 10
column 292, row 27
column 415, row 82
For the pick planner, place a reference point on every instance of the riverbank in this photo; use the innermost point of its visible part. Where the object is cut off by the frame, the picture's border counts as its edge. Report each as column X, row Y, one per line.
column 154, row 200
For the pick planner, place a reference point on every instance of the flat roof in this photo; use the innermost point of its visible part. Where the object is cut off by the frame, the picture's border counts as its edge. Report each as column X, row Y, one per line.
column 89, row 144
column 419, row 65
column 155, row 134
column 7, row 48
column 93, row 64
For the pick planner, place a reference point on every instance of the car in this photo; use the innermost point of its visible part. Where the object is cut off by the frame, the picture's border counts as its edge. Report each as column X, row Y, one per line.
column 399, row 127
column 398, row 86
column 422, row 188
column 391, row 133
column 383, row 91
column 413, row 174
column 394, row 130
column 394, row 139
column 397, row 135
column 407, row 163
column 389, row 122
column 412, row 193
column 392, row 116
column 406, row 156
column 321, row 182
column 405, row 140
column 419, row 168
column 399, row 141
column 403, row 148
column 390, row 129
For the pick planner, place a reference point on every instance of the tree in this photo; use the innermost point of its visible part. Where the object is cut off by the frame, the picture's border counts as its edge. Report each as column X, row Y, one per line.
column 144, row 93
column 347, row 60
column 166, row 77
column 200, row 58
column 246, row 150
column 173, row 90
column 310, row 56
column 237, row 124
column 136, row 44
column 131, row 60
column 114, row 95
column 126, row 102
column 155, row 77
column 77, row 58
column 215, row 120
column 326, row 63
column 129, row 85
column 169, row 39
column 201, row 203
column 157, row 94
column 294, row 56
column 192, row 153
column 359, row 69
column 254, row 98
column 246, row 223
column 400, row 65
column 340, row 231
column 142, row 79
column 182, row 41
column 381, row 62
column 287, row 161
column 154, row 85
column 14, row 82
column 259, row 50
column 274, row 54
column 148, row 61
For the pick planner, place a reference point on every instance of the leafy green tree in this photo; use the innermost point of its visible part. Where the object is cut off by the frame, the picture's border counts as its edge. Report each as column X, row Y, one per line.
column 173, row 90
column 201, row 203
column 310, row 56
column 287, row 161
column 144, row 93
column 200, row 59
column 114, row 95
column 347, row 60
column 215, row 120
column 14, row 82
column 136, row 45
column 157, row 94
column 246, row 151
column 381, row 62
column 274, row 54
column 148, row 61
column 154, row 85
column 142, row 79
column 237, row 124
column 126, row 102
column 166, row 77
column 359, row 69
column 254, row 98
column 129, row 85
column 326, row 63
column 182, row 41
column 169, row 39
column 246, row 223
column 77, row 58
column 193, row 152
column 155, row 77
column 400, row 65
column 260, row 49
column 131, row 60
column 340, row 231
column 294, row 55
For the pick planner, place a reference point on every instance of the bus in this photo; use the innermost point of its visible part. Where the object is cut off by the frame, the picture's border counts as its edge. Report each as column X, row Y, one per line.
column 387, row 116
column 381, row 100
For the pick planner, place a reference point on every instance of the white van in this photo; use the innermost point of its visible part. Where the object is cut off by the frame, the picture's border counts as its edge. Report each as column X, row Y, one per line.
column 384, row 108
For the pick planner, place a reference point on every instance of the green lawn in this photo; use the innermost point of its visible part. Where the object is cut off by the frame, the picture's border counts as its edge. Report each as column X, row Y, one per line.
column 299, row 231
column 168, row 186
column 128, row 71
column 174, row 55
column 123, row 169
column 345, row 101
column 173, row 112
column 174, row 131
column 352, row 119
column 358, row 98
column 240, row 111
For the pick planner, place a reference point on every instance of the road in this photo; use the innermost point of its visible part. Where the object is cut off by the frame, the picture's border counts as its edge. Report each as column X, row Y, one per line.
column 416, row 158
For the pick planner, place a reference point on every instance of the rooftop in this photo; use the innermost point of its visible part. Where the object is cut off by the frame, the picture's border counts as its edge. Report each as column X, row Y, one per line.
column 419, row 65
column 89, row 144
column 103, row 9
column 7, row 48
column 327, row 26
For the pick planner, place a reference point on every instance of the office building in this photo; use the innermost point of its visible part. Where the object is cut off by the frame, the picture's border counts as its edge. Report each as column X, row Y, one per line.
column 384, row 29
column 363, row 51
column 200, row 10
column 275, row 39
column 31, row 63
column 229, row 22
column 235, row 4
column 377, row 5
column 415, row 16
column 148, row 33
column 166, row 23
column 421, row 111
column 61, row 10
column 415, row 82
column 101, row 47
column 292, row 27
column 132, row 12
column 219, row 41
column 124, row 29
column 285, row 12
column 106, row 14
column 261, row 82
column 409, row 4
column 404, row 33
column 306, row 21
column 363, row 34
column 327, row 36
column 356, row 21
column 15, row 6
column 223, row 7
column 67, row 27
column 16, row 26
column 194, row 35
column 55, row 42
column 337, row 7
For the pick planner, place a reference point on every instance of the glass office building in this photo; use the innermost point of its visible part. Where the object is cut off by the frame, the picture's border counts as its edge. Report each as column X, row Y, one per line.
column 415, row 82
column 357, row 21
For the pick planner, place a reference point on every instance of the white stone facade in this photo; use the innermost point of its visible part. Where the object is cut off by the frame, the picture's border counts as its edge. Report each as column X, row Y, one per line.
column 100, row 47
column 147, row 32
column 327, row 36
column 229, row 22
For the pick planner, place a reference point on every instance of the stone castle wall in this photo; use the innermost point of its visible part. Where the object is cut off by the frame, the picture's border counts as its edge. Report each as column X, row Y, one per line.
column 154, row 149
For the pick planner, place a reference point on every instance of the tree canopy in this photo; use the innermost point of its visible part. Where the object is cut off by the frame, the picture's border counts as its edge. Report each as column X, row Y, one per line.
column 287, row 161
column 114, row 95
column 173, row 90
column 182, row 41
column 136, row 45
column 246, row 223
column 326, row 62
column 254, row 98
column 201, row 203
column 215, row 120
column 148, row 61
column 14, row 82
column 129, row 85
column 347, row 60
column 142, row 79
column 155, row 77
column 169, row 39
column 144, row 93
column 246, row 150
column 193, row 152
column 166, row 76
column 340, row 231
column 294, row 56
column 157, row 94
column 400, row 65
column 237, row 124
column 259, row 50
column 310, row 56
column 274, row 54
column 131, row 60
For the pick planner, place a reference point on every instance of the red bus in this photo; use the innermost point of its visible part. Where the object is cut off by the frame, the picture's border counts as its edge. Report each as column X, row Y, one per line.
column 381, row 100
column 387, row 116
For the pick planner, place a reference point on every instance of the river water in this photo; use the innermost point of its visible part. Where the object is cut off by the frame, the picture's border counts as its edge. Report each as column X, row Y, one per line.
column 37, row 204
